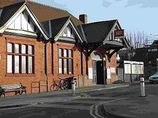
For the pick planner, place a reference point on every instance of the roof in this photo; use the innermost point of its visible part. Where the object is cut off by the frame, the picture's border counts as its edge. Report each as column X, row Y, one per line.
column 97, row 31
column 56, row 25
column 43, row 12
column 8, row 12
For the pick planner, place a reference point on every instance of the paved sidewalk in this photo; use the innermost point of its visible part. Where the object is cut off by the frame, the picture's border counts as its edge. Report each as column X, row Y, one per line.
column 53, row 96
column 133, row 107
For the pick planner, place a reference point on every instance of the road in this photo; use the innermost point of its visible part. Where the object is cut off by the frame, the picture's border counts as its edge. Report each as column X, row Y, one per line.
column 89, row 105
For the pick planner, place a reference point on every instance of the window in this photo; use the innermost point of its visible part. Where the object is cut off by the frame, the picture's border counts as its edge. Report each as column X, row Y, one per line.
column 68, row 33
column 20, row 58
column 65, row 61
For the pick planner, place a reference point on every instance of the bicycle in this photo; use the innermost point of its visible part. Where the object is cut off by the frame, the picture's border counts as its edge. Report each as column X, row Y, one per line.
column 61, row 85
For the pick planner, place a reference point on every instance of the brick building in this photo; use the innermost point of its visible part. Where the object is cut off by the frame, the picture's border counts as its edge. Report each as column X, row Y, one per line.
column 40, row 43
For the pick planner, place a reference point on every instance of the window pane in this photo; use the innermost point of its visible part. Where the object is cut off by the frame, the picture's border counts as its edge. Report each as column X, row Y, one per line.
column 9, row 64
column 70, row 53
column 23, row 64
column 68, row 32
column 16, row 48
column 70, row 66
column 30, row 64
column 30, row 49
column 23, row 50
column 60, row 66
column 9, row 47
column 60, row 52
column 65, row 66
column 65, row 53
column 16, row 63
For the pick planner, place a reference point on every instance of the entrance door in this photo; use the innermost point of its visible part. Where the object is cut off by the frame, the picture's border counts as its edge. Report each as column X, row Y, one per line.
column 100, row 72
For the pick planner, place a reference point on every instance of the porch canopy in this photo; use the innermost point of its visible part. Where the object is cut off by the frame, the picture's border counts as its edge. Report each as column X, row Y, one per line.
column 107, row 35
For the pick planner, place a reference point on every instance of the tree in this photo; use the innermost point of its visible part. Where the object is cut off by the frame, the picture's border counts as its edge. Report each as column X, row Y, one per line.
column 137, row 39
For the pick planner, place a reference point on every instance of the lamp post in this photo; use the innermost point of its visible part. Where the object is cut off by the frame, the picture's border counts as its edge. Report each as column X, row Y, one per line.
column 104, row 69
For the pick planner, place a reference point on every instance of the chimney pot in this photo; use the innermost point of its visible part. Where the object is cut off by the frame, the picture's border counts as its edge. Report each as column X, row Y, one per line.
column 83, row 18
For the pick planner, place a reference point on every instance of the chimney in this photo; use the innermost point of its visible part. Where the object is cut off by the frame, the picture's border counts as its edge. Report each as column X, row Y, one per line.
column 83, row 18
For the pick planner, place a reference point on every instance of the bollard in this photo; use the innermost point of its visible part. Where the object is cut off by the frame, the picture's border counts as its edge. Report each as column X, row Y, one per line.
column 73, row 86
column 142, row 87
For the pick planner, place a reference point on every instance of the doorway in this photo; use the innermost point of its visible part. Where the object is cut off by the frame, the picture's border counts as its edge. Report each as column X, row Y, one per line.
column 98, row 68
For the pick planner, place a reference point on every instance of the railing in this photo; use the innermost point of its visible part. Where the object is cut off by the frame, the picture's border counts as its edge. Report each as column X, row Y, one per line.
column 38, row 85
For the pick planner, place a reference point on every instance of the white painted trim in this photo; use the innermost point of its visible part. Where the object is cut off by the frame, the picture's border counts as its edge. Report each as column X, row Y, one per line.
column 76, row 31
column 8, row 23
column 37, row 23
column 82, row 31
column 112, row 29
column 21, row 32
column 18, row 12
column 62, row 29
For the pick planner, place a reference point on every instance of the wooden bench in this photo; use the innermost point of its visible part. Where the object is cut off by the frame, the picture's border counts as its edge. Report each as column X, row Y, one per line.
column 17, row 88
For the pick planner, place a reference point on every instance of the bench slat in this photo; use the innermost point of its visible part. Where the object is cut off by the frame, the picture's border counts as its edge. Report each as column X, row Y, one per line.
column 11, row 86
column 17, row 88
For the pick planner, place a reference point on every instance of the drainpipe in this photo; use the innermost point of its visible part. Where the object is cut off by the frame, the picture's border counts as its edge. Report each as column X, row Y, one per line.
column 82, row 66
column 46, row 64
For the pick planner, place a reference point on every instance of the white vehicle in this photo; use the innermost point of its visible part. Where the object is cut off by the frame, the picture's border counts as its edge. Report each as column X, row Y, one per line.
column 153, row 78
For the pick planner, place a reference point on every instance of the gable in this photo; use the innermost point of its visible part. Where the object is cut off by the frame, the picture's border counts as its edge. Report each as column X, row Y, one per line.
column 111, row 36
column 69, row 33
column 21, row 22
column 96, row 32
column 61, row 29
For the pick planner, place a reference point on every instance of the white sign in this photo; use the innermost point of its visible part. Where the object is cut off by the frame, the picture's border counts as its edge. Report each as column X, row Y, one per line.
column 90, row 73
column 108, row 73
column 113, row 70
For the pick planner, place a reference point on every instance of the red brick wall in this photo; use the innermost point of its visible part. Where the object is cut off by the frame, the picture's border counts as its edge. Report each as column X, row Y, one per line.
column 53, row 74
column 112, row 64
column 39, row 62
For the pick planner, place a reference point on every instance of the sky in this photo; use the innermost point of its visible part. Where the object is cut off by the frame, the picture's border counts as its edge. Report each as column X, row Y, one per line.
column 133, row 15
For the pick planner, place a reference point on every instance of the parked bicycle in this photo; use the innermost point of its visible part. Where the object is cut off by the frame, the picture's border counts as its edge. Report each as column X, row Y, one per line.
column 61, row 85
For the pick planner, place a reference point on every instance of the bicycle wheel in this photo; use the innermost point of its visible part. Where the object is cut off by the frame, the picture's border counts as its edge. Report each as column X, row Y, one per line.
column 54, row 87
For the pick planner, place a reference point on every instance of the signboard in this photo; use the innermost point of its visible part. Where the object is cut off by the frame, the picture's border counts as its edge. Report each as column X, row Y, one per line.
column 113, row 70
column 108, row 73
column 119, row 33
column 90, row 73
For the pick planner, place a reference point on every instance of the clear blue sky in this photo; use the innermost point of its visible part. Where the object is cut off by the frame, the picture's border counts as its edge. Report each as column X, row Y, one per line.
column 133, row 15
